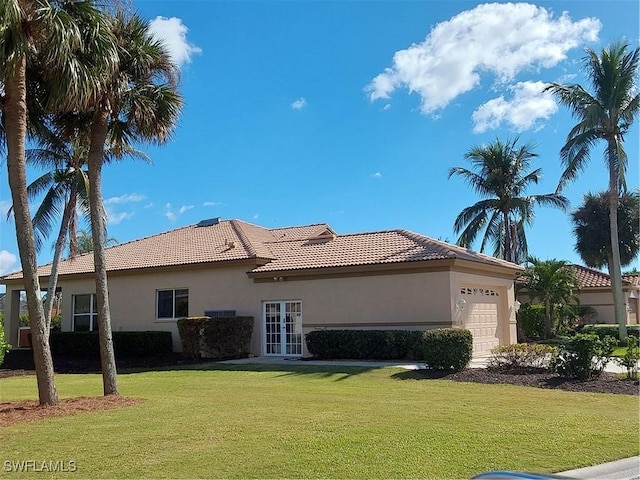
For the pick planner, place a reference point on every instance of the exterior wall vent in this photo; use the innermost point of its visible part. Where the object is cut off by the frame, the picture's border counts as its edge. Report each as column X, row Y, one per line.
column 208, row 222
column 219, row 313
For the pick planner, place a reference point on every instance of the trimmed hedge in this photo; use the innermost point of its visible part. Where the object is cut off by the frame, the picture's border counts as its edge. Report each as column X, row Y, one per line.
column 446, row 348
column 125, row 344
column 218, row 338
column 531, row 320
column 610, row 330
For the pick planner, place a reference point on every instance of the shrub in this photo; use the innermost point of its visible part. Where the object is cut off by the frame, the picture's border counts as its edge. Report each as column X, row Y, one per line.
column 4, row 345
column 226, row 337
column 521, row 357
column 609, row 330
column 584, row 356
column 365, row 344
column 125, row 344
column 531, row 320
column 190, row 331
column 630, row 359
column 448, row 348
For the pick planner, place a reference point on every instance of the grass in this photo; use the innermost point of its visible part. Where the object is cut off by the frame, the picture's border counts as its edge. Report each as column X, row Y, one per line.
column 329, row 422
column 619, row 352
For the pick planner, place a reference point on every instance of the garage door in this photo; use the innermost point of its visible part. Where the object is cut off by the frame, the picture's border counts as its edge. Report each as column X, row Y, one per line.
column 481, row 318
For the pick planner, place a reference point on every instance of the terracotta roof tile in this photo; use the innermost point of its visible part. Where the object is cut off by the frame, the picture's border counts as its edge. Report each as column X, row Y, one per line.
column 591, row 278
column 293, row 248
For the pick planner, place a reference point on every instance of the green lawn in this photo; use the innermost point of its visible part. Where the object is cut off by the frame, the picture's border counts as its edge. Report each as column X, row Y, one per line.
column 330, row 422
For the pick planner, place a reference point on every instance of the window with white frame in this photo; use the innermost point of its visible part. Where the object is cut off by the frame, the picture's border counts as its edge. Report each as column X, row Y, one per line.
column 85, row 313
column 172, row 304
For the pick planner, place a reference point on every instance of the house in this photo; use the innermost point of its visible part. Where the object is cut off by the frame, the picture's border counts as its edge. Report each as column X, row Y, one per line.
column 594, row 290
column 291, row 280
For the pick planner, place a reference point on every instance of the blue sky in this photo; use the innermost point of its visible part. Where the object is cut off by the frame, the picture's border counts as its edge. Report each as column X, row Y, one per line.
column 352, row 113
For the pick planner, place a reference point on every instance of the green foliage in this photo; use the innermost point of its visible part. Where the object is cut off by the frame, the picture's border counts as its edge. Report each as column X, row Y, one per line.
column 24, row 320
column 448, row 348
column 609, row 330
column 219, row 337
column 501, row 175
column 584, row 356
column 592, row 229
column 56, row 323
column 190, row 331
column 531, row 320
column 125, row 344
column 445, row 348
column 630, row 358
column 227, row 337
column 365, row 344
column 4, row 344
column 522, row 357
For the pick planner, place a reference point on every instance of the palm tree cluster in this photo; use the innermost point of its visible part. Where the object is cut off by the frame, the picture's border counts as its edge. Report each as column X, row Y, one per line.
column 606, row 113
column 86, row 83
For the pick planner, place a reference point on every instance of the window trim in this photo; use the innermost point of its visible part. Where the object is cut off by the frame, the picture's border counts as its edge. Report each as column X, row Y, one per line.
column 93, row 312
column 173, row 291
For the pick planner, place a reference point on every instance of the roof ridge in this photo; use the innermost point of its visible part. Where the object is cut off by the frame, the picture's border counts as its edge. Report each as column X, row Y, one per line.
column 298, row 226
column 246, row 243
column 603, row 274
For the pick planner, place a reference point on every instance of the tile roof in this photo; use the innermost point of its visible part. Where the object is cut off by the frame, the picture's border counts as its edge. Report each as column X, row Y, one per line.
column 590, row 278
column 293, row 248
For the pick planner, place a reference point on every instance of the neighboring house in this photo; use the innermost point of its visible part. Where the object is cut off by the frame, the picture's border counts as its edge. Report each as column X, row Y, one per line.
column 292, row 280
column 595, row 291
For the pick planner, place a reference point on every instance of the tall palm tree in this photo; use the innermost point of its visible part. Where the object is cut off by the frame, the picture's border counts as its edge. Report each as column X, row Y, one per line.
column 591, row 229
column 139, row 103
column 501, row 177
column 66, row 190
column 606, row 114
column 55, row 36
column 552, row 282
column 84, row 241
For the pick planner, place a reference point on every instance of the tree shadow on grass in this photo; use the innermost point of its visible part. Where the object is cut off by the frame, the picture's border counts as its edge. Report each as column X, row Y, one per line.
column 335, row 372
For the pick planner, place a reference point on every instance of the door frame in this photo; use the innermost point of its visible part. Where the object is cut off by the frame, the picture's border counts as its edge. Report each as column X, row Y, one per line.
column 283, row 326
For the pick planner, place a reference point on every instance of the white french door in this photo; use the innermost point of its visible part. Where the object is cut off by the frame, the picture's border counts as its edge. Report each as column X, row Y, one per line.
column 282, row 327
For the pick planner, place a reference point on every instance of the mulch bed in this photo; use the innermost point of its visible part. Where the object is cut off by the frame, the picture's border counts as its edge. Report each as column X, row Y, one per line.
column 605, row 383
column 30, row 411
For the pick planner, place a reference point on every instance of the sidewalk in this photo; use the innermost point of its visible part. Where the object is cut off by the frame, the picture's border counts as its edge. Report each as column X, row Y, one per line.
column 625, row 469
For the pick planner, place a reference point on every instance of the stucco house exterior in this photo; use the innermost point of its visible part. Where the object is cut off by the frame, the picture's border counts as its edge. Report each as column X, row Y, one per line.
column 291, row 280
column 594, row 290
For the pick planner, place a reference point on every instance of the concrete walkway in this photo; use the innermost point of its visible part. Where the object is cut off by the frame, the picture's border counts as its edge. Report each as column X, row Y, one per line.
column 625, row 469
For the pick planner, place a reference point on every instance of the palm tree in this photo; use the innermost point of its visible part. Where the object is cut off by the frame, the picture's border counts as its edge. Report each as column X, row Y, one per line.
column 552, row 282
column 606, row 114
column 67, row 193
column 84, row 241
column 591, row 229
column 501, row 176
column 56, row 37
column 139, row 103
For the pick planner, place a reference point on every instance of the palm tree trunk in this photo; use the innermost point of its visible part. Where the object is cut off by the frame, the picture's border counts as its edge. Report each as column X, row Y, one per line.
column 99, row 128
column 15, row 123
column 615, row 270
column 69, row 210
column 548, row 328
column 507, row 237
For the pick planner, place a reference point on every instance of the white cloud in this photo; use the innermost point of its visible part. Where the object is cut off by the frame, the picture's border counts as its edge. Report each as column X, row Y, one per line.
column 172, row 214
column 8, row 262
column 497, row 39
column 299, row 104
column 148, row 205
column 132, row 197
column 211, row 204
column 114, row 218
column 256, row 216
column 173, row 33
column 376, row 175
column 523, row 111
column 387, row 106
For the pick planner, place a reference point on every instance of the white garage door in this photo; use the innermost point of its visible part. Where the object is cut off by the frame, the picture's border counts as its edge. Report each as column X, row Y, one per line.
column 481, row 318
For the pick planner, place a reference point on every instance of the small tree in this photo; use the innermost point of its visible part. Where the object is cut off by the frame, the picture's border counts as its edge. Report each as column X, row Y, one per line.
column 552, row 283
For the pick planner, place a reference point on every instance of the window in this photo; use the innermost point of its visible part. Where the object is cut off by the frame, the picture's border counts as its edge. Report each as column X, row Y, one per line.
column 172, row 303
column 85, row 313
